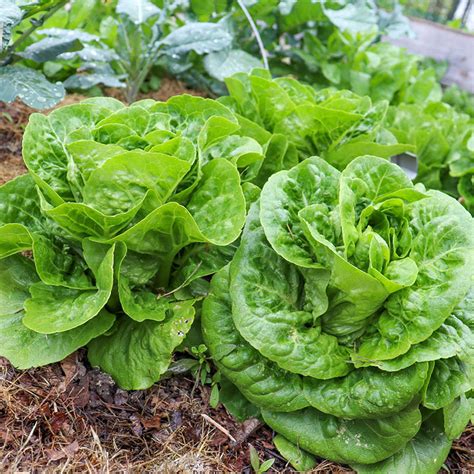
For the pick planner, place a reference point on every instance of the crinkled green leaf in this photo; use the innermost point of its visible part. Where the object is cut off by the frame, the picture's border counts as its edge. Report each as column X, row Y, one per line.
column 123, row 181
column 442, row 248
column 45, row 137
column 58, row 264
column 19, row 204
column 188, row 114
column 311, row 182
column 242, row 151
column 14, row 238
column 202, row 260
column 138, row 300
column 214, row 214
column 25, row 348
column 425, row 453
column 25, row 228
column 136, row 354
column 142, row 120
column 366, row 393
column 218, row 204
column 278, row 327
column 57, row 309
column 17, row 274
column 89, row 155
column 273, row 101
column 346, row 441
column 455, row 337
column 449, row 379
column 82, row 220
column 260, row 381
column 306, row 231
column 235, row 403
column 279, row 155
column 457, row 415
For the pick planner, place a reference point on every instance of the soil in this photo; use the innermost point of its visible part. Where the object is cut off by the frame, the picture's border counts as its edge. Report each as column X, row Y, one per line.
column 68, row 417
column 13, row 118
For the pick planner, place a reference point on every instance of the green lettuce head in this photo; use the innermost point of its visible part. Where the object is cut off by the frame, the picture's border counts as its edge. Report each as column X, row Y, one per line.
column 347, row 316
column 336, row 125
column 444, row 141
column 116, row 200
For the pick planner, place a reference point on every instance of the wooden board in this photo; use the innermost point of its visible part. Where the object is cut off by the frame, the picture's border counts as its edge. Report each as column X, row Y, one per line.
column 443, row 43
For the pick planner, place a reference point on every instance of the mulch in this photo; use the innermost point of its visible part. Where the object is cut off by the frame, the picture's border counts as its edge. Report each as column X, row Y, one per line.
column 69, row 417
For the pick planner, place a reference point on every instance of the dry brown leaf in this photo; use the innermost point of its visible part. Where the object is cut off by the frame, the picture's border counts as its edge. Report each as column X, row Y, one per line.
column 69, row 366
column 248, row 427
column 65, row 452
column 79, row 392
column 58, row 422
column 152, row 423
column 136, row 425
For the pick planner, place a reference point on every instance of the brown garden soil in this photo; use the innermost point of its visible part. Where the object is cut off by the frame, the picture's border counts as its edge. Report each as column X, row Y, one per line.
column 68, row 417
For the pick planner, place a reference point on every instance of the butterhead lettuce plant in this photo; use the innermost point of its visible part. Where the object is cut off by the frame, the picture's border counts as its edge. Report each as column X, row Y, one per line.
column 335, row 125
column 346, row 316
column 92, row 237
column 444, row 140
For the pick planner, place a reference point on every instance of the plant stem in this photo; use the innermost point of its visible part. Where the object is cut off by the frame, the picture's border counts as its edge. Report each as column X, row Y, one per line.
column 254, row 28
column 138, row 64
column 136, row 83
column 39, row 9
column 164, row 272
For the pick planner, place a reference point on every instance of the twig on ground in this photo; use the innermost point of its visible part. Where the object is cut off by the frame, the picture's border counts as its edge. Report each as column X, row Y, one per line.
column 218, row 426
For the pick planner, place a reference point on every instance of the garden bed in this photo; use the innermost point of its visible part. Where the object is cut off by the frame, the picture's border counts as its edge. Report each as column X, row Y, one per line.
column 71, row 417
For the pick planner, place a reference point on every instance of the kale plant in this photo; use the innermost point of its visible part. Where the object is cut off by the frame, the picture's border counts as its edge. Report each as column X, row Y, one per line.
column 120, row 51
column 145, row 34
column 24, row 82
